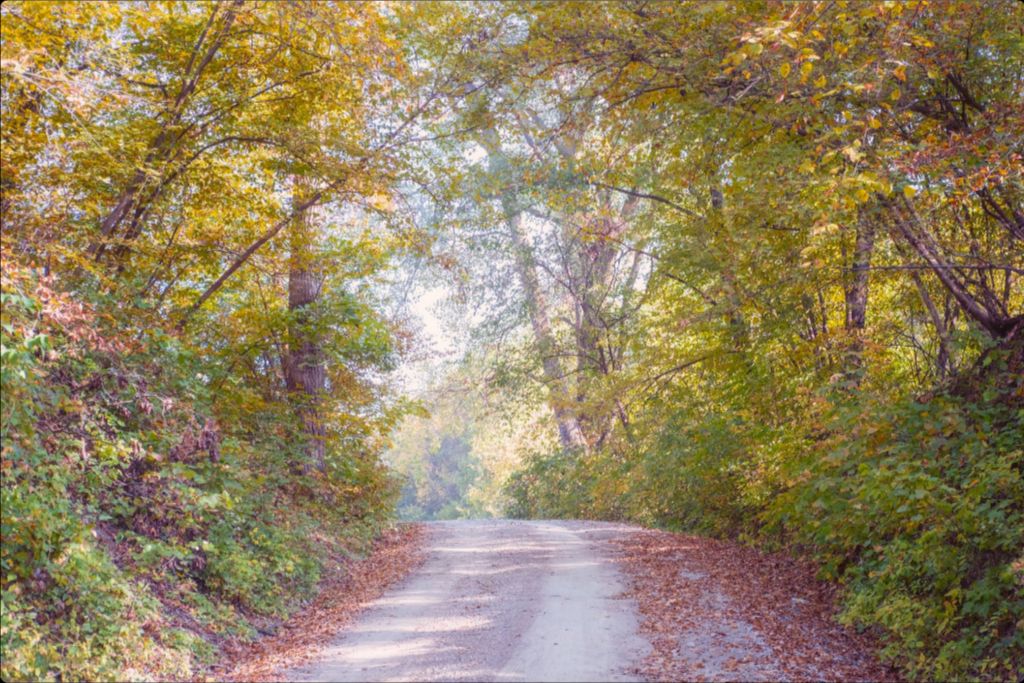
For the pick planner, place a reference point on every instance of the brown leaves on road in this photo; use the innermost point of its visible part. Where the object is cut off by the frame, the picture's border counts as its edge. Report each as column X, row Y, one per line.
column 719, row 611
column 349, row 588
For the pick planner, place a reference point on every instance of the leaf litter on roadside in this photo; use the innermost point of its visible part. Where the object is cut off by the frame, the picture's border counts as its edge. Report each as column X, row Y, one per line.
column 351, row 585
column 715, row 610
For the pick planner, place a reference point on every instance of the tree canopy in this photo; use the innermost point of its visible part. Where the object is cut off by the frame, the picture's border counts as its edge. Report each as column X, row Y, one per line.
column 752, row 269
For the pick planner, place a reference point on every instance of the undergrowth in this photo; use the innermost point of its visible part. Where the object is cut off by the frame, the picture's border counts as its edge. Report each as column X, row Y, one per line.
column 147, row 517
column 914, row 505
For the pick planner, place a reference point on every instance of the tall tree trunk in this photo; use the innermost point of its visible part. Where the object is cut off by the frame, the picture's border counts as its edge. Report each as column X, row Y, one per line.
column 569, row 432
column 560, row 400
column 739, row 330
column 857, row 295
column 592, row 252
column 304, row 366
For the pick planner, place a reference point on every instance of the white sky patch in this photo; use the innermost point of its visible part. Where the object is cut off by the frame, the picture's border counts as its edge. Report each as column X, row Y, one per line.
column 433, row 331
column 474, row 154
column 436, row 345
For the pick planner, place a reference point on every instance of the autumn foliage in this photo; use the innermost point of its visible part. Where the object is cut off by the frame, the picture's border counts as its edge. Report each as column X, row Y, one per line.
column 767, row 261
column 748, row 269
column 186, row 443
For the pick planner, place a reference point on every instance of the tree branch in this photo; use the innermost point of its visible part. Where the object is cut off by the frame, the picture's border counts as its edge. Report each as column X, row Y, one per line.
column 652, row 197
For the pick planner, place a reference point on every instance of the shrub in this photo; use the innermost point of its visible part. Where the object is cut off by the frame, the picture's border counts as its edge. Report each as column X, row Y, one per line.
column 918, row 507
column 128, row 513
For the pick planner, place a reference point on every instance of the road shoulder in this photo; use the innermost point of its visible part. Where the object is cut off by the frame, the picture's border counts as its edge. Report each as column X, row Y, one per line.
column 345, row 593
column 720, row 611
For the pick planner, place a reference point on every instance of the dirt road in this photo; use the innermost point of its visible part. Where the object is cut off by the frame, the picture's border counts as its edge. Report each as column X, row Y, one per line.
column 497, row 601
column 501, row 600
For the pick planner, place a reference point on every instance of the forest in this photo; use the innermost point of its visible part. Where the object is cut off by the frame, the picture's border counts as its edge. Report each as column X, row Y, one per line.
column 752, row 269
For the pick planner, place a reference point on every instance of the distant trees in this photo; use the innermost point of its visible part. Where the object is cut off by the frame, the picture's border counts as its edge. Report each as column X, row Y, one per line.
column 435, row 456
column 722, row 242
column 749, row 268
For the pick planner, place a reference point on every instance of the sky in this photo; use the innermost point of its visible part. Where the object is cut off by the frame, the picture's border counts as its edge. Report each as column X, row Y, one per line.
column 437, row 344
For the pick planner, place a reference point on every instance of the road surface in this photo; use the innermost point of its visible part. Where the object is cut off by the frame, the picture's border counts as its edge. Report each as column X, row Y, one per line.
column 496, row 600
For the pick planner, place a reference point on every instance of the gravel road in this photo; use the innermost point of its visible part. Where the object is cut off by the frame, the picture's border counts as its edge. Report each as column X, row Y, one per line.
column 496, row 600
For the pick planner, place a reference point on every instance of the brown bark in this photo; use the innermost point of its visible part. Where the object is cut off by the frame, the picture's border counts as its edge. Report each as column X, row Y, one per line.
column 305, row 376
column 570, row 435
column 908, row 226
column 857, row 293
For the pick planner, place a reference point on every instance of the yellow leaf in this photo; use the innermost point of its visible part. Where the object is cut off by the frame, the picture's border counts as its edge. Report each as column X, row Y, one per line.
column 895, row 94
column 784, row 69
column 853, row 152
column 909, row 191
column 820, row 81
column 381, row 202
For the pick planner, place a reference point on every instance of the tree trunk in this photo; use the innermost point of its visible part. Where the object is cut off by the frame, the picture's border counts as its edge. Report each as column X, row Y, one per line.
column 857, row 295
column 570, row 435
column 942, row 357
column 739, row 330
column 908, row 225
column 569, row 432
column 304, row 366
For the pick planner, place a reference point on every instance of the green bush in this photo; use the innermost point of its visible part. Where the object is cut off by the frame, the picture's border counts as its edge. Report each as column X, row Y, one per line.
column 121, row 503
column 915, row 505
column 549, row 486
column 71, row 622
column 694, row 478
column 248, row 562
column 918, row 507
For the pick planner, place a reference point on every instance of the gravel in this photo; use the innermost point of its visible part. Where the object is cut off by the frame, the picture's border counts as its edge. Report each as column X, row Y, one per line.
column 496, row 600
